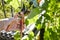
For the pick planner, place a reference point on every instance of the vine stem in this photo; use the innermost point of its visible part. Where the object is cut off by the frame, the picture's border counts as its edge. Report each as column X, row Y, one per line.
column 3, row 8
column 22, row 23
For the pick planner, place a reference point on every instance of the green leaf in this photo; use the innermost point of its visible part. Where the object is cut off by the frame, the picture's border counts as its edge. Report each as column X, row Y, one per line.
column 38, row 26
column 31, row 35
column 14, row 4
column 32, row 18
column 34, row 12
column 17, row 35
column 8, row 1
column 47, row 16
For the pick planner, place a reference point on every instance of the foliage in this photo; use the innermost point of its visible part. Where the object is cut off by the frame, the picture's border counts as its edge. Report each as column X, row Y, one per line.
column 50, row 20
column 17, row 35
column 33, row 16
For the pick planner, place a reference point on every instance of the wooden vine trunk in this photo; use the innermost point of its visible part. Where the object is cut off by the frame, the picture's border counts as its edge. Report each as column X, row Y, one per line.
column 22, row 23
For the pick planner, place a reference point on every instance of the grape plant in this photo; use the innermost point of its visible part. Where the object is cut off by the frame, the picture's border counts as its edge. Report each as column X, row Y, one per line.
column 45, row 14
